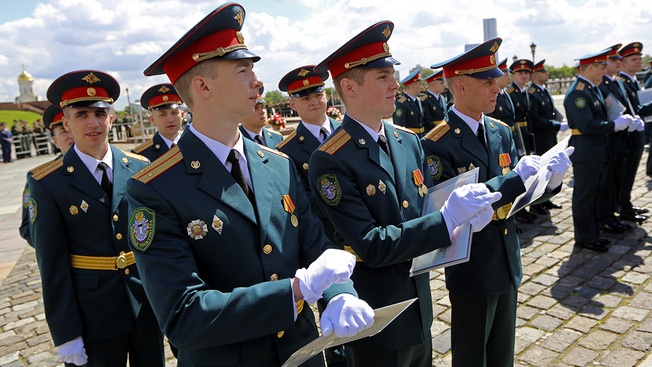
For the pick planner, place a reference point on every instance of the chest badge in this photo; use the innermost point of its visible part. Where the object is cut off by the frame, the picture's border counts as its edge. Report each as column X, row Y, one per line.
column 197, row 229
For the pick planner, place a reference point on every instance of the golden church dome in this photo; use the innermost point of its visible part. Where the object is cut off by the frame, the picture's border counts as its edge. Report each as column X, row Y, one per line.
column 25, row 76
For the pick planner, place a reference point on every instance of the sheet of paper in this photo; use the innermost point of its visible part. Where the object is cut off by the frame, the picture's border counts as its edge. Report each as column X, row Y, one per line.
column 645, row 96
column 614, row 107
column 382, row 317
column 535, row 185
column 460, row 249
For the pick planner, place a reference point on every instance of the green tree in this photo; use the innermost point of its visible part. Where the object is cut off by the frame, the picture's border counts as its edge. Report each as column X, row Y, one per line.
column 273, row 97
column 561, row 72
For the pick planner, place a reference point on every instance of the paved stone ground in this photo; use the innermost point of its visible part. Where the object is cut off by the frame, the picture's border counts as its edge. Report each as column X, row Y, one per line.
column 576, row 308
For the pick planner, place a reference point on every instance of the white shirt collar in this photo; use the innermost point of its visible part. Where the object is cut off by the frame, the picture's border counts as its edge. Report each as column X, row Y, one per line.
column 91, row 163
column 374, row 135
column 315, row 129
column 169, row 142
column 220, row 150
column 473, row 124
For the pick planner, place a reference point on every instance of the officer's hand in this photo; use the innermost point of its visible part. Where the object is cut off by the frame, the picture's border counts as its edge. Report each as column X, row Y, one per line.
column 466, row 202
column 563, row 126
column 333, row 266
column 480, row 220
column 528, row 166
column 622, row 122
column 346, row 315
column 637, row 124
column 73, row 352
column 558, row 166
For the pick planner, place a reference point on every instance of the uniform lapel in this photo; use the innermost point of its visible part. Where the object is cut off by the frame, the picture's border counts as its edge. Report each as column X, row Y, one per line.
column 399, row 154
column 306, row 140
column 470, row 141
column 82, row 179
column 121, row 173
column 265, row 183
column 363, row 140
column 494, row 144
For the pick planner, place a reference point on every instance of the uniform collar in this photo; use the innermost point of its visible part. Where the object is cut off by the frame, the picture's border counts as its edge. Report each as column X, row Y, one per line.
column 473, row 124
column 91, row 162
column 220, row 150
column 314, row 129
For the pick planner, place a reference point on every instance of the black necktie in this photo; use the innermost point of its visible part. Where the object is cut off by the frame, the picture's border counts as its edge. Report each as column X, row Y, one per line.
column 382, row 141
column 323, row 134
column 106, row 183
column 259, row 139
column 236, row 172
column 481, row 136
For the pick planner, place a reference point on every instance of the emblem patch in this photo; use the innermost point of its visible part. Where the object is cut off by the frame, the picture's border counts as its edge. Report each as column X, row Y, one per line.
column 329, row 189
column 399, row 112
column 217, row 224
column 197, row 229
column 33, row 210
column 580, row 102
column 26, row 197
column 143, row 225
column 434, row 167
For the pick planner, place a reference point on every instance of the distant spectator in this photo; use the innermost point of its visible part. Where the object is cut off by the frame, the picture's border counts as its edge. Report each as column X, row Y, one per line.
column 6, row 137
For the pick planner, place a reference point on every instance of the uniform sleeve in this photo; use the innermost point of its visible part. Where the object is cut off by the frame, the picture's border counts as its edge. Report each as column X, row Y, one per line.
column 24, row 222
column 536, row 118
column 53, row 257
column 377, row 245
column 580, row 116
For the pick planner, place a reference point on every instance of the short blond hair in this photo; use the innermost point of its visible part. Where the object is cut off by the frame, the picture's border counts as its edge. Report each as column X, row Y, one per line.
column 205, row 69
column 355, row 74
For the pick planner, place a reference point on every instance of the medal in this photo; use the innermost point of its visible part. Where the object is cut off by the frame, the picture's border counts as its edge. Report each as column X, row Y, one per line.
column 288, row 206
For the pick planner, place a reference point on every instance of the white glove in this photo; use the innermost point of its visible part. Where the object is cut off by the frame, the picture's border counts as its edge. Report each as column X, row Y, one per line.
column 480, row 220
column 622, row 122
column 528, row 166
column 466, row 202
column 558, row 166
column 563, row 126
column 73, row 352
column 346, row 315
column 637, row 124
column 332, row 266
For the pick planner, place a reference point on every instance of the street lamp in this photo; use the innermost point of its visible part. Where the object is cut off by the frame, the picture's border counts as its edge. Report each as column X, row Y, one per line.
column 514, row 58
column 533, row 48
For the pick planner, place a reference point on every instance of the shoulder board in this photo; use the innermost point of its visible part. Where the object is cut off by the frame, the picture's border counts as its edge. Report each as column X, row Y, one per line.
column 144, row 146
column 136, row 156
column 423, row 97
column 165, row 162
column 438, row 131
column 46, row 168
column 404, row 129
column 274, row 151
column 402, row 99
column 510, row 90
column 497, row 121
column 287, row 139
column 580, row 85
column 335, row 142
column 532, row 90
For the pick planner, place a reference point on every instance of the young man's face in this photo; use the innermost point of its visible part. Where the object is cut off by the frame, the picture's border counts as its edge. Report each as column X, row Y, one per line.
column 503, row 81
column 437, row 86
column 255, row 122
column 89, row 127
column 614, row 66
column 480, row 94
column 595, row 71
column 62, row 138
column 167, row 121
column 311, row 108
column 632, row 64
column 414, row 89
column 378, row 93
column 521, row 77
column 234, row 89
column 541, row 77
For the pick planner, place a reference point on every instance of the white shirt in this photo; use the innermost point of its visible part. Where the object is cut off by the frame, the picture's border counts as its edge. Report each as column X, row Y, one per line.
column 315, row 129
column 92, row 164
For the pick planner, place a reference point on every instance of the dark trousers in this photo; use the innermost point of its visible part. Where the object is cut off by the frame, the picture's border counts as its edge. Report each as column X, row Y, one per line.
column 612, row 184
column 631, row 166
column 416, row 356
column 483, row 328
column 144, row 349
column 588, row 180
column 6, row 152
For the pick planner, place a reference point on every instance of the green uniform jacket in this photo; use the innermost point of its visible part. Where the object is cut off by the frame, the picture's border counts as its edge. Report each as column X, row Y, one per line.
column 434, row 110
column 407, row 113
column 542, row 116
column 71, row 214
column 217, row 271
column 452, row 149
column 299, row 146
column 504, row 110
column 272, row 138
column 636, row 138
column 618, row 141
column 375, row 206
column 153, row 148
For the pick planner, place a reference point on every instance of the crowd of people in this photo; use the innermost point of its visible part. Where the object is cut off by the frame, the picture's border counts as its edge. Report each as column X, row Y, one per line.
column 218, row 236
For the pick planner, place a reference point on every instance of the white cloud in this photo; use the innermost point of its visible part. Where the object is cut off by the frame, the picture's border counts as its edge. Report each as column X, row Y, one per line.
column 123, row 37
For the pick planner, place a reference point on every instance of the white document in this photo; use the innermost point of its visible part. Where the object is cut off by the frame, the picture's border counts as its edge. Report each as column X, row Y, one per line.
column 382, row 317
column 645, row 96
column 460, row 249
column 535, row 185
column 614, row 107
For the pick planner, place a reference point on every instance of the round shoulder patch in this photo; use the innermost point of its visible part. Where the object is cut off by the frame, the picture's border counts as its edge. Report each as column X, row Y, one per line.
column 580, row 102
column 329, row 189
column 434, row 167
column 26, row 197
column 33, row 209
column 142, row 226
column 399, row 112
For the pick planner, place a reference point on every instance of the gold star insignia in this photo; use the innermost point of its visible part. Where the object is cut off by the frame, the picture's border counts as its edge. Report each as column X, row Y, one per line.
column 91, row 78
column 303, row 72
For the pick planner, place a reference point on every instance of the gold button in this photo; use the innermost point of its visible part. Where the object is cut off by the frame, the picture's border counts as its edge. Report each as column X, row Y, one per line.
column 406, row 204
column 280, row 334
column 506, row 231
column 305, row 166
column 118, row 236
column 115, row 217
column 127, row 271
column 273, row 277
column 267, row 249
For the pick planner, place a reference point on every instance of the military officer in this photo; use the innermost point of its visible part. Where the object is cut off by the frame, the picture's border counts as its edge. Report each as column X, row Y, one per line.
column 95, row 305
column 521, row 70
column 164, row 106
column 434, row 103
column 52, row 119
column 305, row 89
column 544, row 120
column 370, row 182
column 587, row 117
column 647, row 75
column 253, row 126
column 409, row 111
column 222, row 227
column 483, row 291
column 631, row 54
column 617, row 145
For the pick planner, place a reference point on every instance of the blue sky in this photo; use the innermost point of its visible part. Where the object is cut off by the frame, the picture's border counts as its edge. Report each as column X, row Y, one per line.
column 122, row 37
